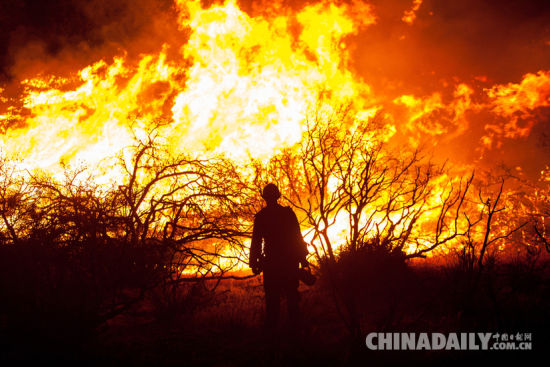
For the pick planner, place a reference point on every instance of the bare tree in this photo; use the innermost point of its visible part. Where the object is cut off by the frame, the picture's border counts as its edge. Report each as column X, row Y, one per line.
column 386, row 204
column 540, row 213
column 481, row 236
column 190, row 205
column 167, row 218
column 343, row 171
column 16, row 203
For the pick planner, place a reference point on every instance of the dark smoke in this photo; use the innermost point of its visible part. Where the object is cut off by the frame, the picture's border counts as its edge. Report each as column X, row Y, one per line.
column 75, row 32
column 501, row 39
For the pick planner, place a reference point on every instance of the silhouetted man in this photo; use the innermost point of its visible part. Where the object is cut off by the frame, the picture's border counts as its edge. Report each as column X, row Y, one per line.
column 283, row 250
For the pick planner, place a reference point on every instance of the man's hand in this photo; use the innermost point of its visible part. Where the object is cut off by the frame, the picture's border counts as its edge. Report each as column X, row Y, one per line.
column 256, row 266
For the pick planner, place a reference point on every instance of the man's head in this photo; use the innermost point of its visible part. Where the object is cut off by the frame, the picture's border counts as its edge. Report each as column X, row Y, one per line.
column 271, row 193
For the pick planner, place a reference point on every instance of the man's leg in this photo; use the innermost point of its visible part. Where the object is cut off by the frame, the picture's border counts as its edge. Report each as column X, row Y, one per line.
column 293, row 299
column 272, row 302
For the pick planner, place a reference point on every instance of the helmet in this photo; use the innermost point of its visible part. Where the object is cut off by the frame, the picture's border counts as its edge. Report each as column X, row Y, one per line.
column 271, row 191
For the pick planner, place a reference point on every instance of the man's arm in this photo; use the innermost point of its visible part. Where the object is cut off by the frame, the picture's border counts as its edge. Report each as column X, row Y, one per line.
column 255, row 248
column 301, row 244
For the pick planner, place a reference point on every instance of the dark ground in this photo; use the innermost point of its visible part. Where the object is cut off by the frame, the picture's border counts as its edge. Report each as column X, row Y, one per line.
column 224, row 328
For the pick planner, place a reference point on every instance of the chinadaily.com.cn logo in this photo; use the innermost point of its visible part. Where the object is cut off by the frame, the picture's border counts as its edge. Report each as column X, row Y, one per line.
column 449, row 341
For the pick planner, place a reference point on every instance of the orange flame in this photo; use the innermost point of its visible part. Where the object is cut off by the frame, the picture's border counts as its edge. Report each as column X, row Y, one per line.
column 246, row 90
column 242, row 85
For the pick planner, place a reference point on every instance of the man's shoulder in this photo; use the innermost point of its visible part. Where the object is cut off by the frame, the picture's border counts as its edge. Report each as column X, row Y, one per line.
column 261, row 213
column 266, row 211
column 289, row 210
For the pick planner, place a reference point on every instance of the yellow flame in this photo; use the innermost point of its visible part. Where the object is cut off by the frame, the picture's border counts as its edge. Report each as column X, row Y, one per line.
column 239, row 85
column 248, row 87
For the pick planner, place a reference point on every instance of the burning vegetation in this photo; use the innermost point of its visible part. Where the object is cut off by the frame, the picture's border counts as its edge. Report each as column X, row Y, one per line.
column 137, row 174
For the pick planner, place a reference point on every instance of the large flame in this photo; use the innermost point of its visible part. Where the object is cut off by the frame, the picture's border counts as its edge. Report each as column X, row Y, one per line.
column 239, row 85
column 242, row 84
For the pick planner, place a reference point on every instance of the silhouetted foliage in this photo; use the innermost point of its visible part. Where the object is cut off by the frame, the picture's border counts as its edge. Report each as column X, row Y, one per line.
column 76, row 253
column 366, row 281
